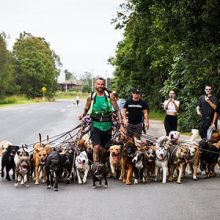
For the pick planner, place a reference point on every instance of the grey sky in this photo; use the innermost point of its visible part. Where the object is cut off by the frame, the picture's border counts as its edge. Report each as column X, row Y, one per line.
column 78, row 30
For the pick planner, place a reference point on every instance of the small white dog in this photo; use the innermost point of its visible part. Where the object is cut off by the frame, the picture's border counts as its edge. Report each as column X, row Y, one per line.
column 162, row 158
column 82, row 167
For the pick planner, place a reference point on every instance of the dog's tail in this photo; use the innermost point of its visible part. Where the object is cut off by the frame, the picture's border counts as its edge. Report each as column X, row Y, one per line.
column 40, row 139
column 47, row 140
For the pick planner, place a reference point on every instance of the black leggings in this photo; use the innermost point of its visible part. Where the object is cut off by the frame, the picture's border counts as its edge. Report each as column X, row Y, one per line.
column 170, row 123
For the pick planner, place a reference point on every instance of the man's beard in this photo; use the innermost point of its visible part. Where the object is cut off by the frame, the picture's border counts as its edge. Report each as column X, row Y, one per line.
column 100, row 89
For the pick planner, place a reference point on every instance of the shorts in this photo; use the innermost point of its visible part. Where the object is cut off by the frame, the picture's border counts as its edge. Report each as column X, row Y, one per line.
column 134, row 130
column 101, row 138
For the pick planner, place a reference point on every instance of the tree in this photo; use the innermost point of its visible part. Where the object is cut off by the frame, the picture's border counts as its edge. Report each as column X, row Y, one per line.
column 169, row 45
column 6, row 73
column 35, row 66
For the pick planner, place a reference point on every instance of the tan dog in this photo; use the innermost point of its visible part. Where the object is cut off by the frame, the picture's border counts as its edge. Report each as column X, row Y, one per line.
column 193, row 162
column 40, row 154
column 114, row 158
column 179, row 156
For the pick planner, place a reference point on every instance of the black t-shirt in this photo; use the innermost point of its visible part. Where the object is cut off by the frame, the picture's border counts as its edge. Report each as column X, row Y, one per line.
column 218, row 110
column 135, row 110
column 205, row 108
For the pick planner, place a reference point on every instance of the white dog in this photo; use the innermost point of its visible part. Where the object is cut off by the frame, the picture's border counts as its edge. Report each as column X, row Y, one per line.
column 82, row 167
column 162, row 158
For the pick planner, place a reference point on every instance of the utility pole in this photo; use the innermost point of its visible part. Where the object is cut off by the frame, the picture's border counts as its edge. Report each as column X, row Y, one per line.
column 92, row 79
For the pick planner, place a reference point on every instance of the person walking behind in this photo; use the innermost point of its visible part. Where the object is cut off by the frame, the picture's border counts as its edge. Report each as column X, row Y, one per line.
column 216, row 118
column 99, row 107
column 77, row 101
column 171, row 106
column 206, row 108
column 132, row 112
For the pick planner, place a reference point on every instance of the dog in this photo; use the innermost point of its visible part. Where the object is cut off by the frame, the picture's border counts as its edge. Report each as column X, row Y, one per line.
column 161, row 161
column 139, row 161
column 114, row 159
column 179, row 156
column 150, row 156
column 99, row 172
column 67, row 158
column 8, row 161
column 127, row 167
column 82, row 167
column 22, row 171
column 174, row 137
column 22, row 166
column 40, row 154
column 3, row 147
column 53, row 169
column 209, row 157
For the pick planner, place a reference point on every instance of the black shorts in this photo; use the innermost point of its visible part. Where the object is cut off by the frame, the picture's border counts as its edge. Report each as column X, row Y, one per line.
column 101, row 138
column 134, row 130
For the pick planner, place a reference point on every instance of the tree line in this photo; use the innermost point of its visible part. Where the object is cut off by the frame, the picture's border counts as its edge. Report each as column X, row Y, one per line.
column 169, row 45
column 30, row 66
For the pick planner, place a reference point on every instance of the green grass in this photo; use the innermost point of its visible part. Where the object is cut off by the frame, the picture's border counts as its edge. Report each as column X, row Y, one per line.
column 156, row 115
column 70, row 95
column 11, row 100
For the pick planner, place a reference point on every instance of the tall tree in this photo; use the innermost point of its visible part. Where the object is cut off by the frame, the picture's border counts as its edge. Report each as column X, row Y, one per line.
column 6, row 74
column 36, row 65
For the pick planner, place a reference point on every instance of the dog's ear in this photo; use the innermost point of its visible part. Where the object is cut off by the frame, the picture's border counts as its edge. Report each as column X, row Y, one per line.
column 48, row 149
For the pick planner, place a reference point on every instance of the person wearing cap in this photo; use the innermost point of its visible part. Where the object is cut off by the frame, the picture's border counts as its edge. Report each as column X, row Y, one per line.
column 171, row 106
column 132, row 112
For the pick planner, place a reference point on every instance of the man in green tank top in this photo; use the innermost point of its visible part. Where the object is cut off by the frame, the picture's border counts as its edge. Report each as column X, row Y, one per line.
column 100, row 108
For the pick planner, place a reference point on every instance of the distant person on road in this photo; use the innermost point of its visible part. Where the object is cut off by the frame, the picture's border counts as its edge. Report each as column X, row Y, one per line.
column 206, row 109
column 99, row 106
column 133, row 111
column 171, row 106
column 77, row 101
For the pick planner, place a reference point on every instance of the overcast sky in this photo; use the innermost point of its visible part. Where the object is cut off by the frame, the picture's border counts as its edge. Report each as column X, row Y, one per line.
column 79, row 31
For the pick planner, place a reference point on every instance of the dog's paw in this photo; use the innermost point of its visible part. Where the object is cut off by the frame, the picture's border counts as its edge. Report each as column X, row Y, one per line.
column 49, row 187
column 55, row 189
column 80, row 182
column 164, row 181
column 128, row 182
column 36, row 183
column 27, row 185
column 106, row 186
column 203, row 172
column 179, row 182
column 16, row 184
column 194, row 177
column 94, row 187
column 135, row 181
column 120, row 178
column 84, row 180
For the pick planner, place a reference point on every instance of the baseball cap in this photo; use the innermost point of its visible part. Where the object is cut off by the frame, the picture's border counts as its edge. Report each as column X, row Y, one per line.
column 135, row 90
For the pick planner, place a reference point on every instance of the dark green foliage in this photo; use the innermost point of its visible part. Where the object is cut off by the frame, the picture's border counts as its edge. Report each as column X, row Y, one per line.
column 35, row 66
column 169, row 45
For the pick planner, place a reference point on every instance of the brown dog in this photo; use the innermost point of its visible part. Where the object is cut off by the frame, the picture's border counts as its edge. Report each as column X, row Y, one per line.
column 40, row 154
column 114, row 158
column 127, row 167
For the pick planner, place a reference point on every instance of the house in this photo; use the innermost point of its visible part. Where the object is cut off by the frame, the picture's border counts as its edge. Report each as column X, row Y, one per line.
column 70, row 85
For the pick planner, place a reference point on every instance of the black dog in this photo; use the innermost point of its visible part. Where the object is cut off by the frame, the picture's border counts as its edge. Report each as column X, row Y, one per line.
column 8, row 161
column 67, row 164
column 53, row 169
column 99, row 172
column 209, row 157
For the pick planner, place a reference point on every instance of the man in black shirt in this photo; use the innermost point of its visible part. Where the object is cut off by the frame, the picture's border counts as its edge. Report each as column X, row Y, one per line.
column 206, row 109
column 133, row 111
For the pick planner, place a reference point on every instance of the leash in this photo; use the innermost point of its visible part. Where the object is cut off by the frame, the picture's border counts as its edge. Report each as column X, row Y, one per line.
column 59, row 136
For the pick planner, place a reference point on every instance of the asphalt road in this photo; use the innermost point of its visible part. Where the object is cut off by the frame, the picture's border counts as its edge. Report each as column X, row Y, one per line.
column 21, row 124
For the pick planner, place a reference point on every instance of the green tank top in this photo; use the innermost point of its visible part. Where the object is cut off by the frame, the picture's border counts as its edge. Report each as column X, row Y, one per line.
column 101, row 107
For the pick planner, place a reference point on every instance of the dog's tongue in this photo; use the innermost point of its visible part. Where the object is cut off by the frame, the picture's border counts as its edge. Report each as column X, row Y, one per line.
column 116, row 157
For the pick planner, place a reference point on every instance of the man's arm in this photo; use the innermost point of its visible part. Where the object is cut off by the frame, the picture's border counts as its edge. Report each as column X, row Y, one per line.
column 86, row 109
column 146, row 118
column 213, row 105
column 115, row 105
